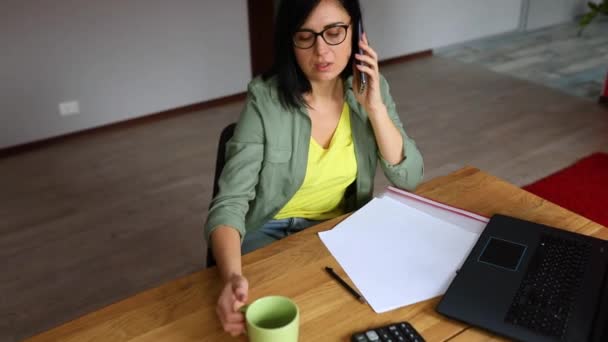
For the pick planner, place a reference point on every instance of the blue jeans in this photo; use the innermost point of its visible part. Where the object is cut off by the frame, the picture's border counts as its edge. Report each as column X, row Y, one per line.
column 274, row 230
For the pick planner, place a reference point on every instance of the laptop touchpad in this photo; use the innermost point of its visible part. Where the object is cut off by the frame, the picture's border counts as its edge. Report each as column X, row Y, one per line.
column 503, row 253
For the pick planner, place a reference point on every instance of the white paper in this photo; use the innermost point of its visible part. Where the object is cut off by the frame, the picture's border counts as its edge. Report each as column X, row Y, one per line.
column 397, row 255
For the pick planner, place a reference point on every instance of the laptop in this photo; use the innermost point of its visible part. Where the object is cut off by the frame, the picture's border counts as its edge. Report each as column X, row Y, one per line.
column 532, row 282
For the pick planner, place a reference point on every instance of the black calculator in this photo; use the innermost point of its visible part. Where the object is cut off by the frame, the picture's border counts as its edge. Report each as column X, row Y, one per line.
column 396, row 332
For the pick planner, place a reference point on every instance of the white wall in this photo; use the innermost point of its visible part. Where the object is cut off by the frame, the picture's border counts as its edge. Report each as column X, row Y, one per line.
column 126, row 58
column 119, row 58
column 543, row 13
column 399, row 27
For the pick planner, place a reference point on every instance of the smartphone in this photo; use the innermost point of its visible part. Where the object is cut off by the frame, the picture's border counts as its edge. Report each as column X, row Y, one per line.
column 362, row 75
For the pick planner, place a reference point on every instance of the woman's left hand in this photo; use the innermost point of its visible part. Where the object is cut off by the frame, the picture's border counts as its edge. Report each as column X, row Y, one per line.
column 370, row 99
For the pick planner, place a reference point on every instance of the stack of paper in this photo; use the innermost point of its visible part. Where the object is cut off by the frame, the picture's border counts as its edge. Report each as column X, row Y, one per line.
column 396, row 254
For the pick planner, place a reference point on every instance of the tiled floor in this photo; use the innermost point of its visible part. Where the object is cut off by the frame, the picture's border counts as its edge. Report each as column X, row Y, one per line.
column 556, row 57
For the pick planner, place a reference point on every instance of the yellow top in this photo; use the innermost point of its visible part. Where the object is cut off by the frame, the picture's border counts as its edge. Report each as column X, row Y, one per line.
column 328, row 173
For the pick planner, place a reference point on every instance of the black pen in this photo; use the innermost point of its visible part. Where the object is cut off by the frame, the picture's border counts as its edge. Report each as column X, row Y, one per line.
column 344, row 284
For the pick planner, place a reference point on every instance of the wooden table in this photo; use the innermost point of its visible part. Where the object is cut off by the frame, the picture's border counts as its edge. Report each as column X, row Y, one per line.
column 184, row 309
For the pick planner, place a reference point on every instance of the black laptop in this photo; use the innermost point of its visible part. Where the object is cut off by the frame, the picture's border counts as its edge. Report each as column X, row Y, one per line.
column 531, row 282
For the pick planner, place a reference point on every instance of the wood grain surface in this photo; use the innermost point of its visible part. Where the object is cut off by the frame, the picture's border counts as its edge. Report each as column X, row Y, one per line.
column 184, row 309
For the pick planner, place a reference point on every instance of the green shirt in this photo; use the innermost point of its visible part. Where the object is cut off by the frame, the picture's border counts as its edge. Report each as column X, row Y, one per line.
column 266, row 159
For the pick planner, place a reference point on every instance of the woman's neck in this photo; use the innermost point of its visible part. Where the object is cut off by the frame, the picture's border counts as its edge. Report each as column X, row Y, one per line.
column 326, row 91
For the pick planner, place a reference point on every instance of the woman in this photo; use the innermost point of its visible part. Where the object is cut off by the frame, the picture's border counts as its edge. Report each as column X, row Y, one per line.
column 307, row 144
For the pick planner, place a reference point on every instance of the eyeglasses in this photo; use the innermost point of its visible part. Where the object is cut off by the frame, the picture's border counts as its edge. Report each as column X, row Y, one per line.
column 332, row 35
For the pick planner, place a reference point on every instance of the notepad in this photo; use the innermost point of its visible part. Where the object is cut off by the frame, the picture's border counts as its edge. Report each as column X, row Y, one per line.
column 397, row 254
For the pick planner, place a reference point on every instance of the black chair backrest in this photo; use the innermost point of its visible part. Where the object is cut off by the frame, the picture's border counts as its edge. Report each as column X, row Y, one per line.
column 220, row 161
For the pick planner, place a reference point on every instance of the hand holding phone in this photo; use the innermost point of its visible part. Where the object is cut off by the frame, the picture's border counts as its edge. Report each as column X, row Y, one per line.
column 362, row 75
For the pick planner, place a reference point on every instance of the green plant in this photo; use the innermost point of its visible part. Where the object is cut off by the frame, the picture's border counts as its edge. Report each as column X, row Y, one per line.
column 596, row 8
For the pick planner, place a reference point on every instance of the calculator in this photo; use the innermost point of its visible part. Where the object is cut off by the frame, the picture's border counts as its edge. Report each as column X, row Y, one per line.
column 396, row 332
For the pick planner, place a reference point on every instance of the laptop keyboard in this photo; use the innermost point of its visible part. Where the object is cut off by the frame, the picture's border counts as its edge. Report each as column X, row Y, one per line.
column 546, row 295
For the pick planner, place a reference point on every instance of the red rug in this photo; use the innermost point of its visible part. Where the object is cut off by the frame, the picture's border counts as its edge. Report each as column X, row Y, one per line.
column 581, row 188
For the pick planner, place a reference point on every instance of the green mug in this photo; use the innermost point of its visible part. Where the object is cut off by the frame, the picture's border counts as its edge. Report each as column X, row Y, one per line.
column 272, row 319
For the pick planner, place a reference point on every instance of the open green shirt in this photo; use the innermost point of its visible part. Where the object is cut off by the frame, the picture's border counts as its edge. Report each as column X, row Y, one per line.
column 266, row 159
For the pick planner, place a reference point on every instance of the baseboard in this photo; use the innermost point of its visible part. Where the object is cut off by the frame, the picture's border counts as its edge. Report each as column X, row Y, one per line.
column 18, row 149
column 406, row 58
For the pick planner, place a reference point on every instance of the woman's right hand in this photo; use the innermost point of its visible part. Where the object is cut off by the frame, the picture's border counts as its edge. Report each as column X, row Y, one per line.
column 233, row 297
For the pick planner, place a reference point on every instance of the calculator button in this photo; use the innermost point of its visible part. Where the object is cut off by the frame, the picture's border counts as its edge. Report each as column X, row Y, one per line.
column 372, row 336
column 384, row 334
column 359, row 338
column 402, row 332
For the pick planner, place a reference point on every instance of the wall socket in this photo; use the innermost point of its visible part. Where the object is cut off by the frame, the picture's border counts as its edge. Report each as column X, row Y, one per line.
column 69, row 108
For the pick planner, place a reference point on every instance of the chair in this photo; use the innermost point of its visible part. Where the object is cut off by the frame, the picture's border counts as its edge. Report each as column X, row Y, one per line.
column 220, row 161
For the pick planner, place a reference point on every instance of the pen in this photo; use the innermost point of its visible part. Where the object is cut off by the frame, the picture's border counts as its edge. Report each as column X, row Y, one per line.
column 344, row 284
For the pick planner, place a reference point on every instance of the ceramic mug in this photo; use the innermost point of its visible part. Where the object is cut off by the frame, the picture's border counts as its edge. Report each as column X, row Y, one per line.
column 272, row 319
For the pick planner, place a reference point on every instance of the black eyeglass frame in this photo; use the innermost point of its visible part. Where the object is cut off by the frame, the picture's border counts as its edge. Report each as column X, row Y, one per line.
column 317, row 34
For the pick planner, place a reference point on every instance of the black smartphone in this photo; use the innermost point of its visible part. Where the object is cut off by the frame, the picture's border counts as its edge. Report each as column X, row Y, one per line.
column 362, row 75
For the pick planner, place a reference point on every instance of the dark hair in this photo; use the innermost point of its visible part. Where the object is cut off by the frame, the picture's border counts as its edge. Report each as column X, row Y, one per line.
column 292, row 83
